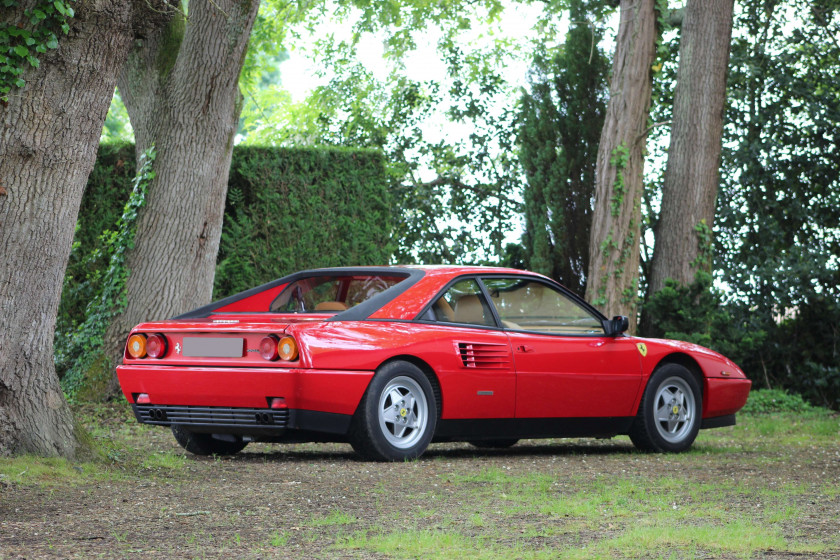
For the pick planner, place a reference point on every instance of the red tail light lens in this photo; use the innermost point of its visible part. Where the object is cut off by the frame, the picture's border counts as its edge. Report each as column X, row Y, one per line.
column 268, row 348
column 137, row 346
column 156, row 346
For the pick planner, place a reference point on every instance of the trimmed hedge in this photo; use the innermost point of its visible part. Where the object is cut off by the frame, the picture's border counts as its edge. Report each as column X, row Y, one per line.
column 287, row 209
column 295, row 208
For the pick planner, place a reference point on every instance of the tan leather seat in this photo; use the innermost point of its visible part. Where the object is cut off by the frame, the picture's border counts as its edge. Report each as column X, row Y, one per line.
column 330, row 306
column 468, row 309
column 444, row 311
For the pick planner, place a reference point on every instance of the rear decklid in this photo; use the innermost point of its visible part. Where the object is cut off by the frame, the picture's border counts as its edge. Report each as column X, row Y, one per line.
column 216, row 341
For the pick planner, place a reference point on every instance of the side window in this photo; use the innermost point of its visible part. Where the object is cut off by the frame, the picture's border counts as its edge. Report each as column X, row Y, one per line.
column 463, row 302
column 528, row 305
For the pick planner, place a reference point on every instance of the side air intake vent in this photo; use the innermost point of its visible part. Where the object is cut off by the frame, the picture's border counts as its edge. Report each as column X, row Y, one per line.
column 483, row 355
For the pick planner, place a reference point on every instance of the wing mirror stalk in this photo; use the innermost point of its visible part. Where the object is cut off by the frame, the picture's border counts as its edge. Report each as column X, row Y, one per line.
column 617, row 325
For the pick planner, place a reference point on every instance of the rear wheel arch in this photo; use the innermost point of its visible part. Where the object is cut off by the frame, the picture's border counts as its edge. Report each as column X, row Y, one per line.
column 427, row 370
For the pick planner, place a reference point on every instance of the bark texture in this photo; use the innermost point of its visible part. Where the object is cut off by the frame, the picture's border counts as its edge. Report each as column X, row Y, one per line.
column 180, row 87
column 693, row 170
column 48, row 141
column 613, row 277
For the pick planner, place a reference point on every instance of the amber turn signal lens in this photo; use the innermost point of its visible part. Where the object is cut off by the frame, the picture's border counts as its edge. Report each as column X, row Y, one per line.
column 287, row 349
column 156, row 346
column 268, row 348
column 137, row 346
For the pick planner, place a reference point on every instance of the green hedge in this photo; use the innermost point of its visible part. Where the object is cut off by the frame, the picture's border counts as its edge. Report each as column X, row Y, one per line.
column 287, row 209
column 295, row 208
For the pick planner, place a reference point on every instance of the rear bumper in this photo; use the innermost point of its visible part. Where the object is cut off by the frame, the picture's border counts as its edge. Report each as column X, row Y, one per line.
column 327, row 391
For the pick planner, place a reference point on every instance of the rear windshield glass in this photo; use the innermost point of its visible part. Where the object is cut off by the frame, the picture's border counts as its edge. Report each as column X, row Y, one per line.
column 331, row 294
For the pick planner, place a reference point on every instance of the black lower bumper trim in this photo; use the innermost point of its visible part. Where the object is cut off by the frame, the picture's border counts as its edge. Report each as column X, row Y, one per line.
column 718, row 422
column 211, row 416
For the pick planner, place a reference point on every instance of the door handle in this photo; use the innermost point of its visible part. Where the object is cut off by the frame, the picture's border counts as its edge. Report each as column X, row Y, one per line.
column 524, row 348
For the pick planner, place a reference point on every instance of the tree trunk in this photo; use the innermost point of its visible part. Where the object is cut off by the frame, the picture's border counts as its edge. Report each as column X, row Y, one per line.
column 683, row 242
column 180, row 87
column 613, row 277
column 48, row 141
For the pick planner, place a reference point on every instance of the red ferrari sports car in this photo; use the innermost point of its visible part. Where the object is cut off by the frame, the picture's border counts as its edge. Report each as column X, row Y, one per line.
column 390, row 359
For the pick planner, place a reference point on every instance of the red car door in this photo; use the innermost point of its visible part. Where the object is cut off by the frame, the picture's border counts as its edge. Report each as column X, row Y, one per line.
column 566, row 367
column 477, row 369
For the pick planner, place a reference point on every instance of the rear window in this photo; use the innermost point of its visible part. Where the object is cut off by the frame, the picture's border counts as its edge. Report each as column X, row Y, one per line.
column 331, row 294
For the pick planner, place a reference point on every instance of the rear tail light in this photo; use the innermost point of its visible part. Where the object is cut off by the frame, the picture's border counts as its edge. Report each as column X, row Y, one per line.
column 156, row 346
column 137, row 346
column 143, row 398
column 287, row 348
column 268, row 348
column 273, row 348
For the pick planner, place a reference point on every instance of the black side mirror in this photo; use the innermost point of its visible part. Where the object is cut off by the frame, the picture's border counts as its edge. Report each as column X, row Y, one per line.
column 617, row 325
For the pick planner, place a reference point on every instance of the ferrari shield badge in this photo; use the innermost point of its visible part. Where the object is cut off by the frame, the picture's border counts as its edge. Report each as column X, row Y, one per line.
column 642, row 348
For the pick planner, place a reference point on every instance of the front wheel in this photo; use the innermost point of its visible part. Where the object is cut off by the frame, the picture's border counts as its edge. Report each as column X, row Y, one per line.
column 205, row 444
column 397, row 416
column 669, row 414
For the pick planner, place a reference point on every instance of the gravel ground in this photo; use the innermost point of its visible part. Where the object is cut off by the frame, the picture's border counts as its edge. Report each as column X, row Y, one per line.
column 319, row 500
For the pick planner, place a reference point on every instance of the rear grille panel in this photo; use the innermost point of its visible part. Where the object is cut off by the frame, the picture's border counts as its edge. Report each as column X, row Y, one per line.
column 218, row 417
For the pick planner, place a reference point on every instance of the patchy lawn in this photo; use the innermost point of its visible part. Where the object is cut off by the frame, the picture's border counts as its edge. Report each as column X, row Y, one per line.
column 767, row 488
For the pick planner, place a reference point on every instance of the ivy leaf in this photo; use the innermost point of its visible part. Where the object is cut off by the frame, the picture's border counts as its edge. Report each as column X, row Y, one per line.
column 21, row 51
column 59, row 5
column 20, row 82
column 38, row 14
column 52, row 43
column 33, row 61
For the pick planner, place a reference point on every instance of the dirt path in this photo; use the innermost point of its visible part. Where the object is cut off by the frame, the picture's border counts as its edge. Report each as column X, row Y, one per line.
column 318, row 500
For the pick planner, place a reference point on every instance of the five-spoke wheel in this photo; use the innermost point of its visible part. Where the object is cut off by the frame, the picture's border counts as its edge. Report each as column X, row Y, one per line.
column 397, row 416
column 669, row 414
column 403, row 412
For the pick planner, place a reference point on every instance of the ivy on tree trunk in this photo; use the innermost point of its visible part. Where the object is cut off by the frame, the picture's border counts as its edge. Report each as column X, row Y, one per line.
column 181, row 89
column 613, row 278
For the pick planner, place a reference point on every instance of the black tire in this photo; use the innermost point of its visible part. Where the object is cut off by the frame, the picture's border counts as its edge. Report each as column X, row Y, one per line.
column 670, row 413
column 205, row 444
column 500, row 443
column 397, row 416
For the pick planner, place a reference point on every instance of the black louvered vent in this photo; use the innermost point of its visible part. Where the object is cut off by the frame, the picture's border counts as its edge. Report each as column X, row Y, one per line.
column 482, row 355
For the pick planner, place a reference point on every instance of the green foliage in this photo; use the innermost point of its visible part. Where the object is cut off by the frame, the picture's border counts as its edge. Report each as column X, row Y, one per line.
column 447, row 189
column 296, row 208
column 777, row 227
column 695, row 313
column 766, row 401
column 117, row 128
column 778, row 223
column 618, row 159
column 559, row 128
column 27, row 35
column 89, row 364
column 107, row 191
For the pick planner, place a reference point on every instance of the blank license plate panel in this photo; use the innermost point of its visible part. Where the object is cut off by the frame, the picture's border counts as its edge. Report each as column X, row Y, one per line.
column 209, row 347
